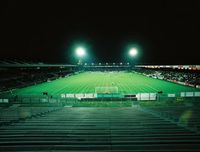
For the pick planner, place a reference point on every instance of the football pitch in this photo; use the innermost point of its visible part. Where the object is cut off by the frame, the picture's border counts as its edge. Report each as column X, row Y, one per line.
column 86, row 82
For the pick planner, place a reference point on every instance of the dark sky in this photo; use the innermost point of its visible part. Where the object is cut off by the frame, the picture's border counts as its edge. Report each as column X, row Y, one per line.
column 166, row 32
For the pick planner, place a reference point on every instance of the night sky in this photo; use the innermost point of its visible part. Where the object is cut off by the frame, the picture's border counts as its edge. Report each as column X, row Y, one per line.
column 166, row 32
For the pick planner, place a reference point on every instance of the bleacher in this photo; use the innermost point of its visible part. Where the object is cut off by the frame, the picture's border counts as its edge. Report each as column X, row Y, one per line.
column 18, row 77
column 186, row 77
column 98, row 129
column 15, row 113
column 187, row 116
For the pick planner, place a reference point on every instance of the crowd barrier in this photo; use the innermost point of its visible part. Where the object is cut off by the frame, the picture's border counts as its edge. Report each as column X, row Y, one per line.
column 104, row 97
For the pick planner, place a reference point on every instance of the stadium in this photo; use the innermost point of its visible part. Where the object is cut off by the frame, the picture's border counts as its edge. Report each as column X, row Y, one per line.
column 99, row 107
column 120, row 76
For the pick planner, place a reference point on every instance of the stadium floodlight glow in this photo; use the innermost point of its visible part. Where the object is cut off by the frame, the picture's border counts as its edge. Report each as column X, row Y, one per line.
column 133, row 52
column 80, row 52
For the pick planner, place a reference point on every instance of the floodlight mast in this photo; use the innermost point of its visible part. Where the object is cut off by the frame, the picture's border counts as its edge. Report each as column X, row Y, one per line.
column 133, row 53
column 80, row 52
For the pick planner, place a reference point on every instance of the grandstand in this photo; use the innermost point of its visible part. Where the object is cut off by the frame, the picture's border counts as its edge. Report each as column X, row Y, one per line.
column 99, row 107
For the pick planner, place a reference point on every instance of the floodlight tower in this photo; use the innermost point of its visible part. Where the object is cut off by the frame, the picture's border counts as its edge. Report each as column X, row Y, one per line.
column 80, row 52
column 133, row 53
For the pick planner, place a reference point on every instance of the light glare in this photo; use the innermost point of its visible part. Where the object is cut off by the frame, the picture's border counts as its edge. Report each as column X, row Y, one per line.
column 133, row 52
column 80, row 51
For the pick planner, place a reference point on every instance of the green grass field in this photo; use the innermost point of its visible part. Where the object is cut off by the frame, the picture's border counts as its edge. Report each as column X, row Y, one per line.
column 87, row 81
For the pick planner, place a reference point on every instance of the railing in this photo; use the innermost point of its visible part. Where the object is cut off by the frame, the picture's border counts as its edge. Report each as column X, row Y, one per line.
column 148, row 97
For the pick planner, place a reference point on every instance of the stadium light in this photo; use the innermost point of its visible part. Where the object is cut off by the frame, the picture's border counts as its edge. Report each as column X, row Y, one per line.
column 80, row 51
column 133, row 52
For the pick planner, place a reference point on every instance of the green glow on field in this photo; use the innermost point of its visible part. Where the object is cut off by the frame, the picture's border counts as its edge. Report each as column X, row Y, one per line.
column 86, row 82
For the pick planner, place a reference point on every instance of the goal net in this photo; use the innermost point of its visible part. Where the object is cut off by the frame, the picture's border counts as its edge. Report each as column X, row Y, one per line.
column 106, row 90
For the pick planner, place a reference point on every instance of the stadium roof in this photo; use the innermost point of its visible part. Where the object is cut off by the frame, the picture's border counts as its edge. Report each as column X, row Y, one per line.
column 36, row 65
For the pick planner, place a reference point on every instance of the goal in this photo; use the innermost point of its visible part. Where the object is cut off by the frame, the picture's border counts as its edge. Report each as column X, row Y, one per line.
column 106, row 90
